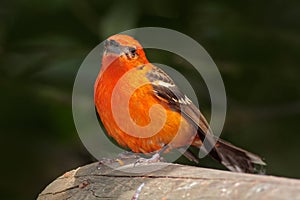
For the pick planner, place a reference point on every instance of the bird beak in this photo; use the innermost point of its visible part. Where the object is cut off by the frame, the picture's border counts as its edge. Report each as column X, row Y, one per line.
column 112, row 47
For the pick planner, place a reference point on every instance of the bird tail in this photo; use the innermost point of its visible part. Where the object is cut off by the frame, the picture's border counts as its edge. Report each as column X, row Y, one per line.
column 237, row 159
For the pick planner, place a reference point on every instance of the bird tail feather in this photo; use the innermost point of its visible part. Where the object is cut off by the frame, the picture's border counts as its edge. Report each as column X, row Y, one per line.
column 237, row 159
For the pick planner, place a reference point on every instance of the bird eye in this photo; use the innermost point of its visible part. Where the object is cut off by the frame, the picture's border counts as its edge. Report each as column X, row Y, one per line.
column 132, row 53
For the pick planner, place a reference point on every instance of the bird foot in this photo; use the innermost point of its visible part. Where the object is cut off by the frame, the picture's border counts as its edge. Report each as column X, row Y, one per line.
column 123, row 158
column 128, row 155
column 154, row 159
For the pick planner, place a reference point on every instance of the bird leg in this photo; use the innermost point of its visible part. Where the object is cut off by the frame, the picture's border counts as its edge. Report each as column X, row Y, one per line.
column 155, row 158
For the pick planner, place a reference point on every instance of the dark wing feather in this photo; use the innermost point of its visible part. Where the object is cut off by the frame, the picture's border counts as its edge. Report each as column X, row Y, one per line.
column 232, row 157
column 166, row 90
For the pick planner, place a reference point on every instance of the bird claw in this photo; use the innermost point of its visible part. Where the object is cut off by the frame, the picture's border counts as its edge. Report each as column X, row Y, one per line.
column 123, row 158
column 154, row 159
column 128, row 155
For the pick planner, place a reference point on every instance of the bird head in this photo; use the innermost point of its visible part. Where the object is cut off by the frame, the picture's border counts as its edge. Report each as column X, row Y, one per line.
column 123, row 50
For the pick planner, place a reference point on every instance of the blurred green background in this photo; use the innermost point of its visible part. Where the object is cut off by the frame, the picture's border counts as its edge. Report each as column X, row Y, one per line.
column 255, row 44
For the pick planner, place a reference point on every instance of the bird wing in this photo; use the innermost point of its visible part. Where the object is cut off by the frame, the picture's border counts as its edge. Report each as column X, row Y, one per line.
column 234, row 158
column 165, row 90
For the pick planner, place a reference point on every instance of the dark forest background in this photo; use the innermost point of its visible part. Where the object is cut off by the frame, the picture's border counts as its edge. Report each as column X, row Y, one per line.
column 255, row 44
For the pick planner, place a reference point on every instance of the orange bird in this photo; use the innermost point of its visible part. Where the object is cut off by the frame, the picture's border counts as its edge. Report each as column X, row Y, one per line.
column 143, row 110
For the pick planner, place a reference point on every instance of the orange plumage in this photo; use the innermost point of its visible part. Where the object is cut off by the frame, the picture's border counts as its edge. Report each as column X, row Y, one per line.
column 124, row 60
